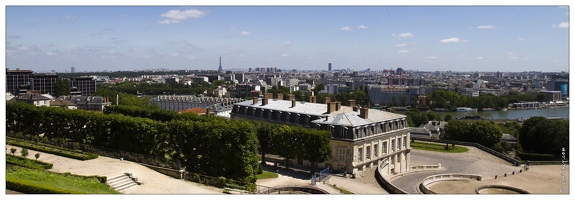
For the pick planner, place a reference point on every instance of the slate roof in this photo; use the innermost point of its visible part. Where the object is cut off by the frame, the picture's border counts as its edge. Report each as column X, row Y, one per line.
column 344, row 116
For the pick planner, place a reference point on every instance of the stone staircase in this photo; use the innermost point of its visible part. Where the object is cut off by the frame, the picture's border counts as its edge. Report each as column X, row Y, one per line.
column 123, row 182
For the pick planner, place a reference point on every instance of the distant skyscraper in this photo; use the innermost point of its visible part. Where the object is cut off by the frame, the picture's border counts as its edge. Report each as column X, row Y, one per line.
column 73, row 69
column 329, row 67
column 220, row 69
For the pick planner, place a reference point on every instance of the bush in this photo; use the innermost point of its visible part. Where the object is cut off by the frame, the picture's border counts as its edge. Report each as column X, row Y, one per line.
column 222, row 182
column 24, row 152
column 13, row 150
column 535, row 156
column 28, row 163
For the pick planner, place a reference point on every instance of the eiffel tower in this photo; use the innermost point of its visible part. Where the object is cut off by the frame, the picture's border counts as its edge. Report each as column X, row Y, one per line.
column 220, row 69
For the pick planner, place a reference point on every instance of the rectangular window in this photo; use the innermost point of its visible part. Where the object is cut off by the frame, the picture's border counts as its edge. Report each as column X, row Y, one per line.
column 398, row 144
column 375, row 151
column 384, row 148
column 341, row 154
column 368, row 153
column 393, row 145
column 360, row 152
column 404, row 141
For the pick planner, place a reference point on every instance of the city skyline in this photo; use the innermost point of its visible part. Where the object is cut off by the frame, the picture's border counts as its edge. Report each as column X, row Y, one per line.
column 424, row 38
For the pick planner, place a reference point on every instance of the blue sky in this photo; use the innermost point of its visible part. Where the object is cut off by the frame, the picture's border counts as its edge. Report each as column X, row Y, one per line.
column 429, row 38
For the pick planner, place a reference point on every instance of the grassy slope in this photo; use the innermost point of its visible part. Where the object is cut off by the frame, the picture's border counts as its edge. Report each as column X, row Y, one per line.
column 74, row 184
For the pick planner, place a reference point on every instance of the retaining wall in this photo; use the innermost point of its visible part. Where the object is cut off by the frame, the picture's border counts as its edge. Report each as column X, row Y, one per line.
column 445, row 177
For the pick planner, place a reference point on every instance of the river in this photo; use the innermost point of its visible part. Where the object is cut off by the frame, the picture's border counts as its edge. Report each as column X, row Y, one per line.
column 562, row 112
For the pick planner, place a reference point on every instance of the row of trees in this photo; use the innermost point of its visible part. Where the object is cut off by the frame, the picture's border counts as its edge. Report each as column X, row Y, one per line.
column 451, row 100
column 416, row 117
column 293, row 142
column 205, row 145
column 486, row 133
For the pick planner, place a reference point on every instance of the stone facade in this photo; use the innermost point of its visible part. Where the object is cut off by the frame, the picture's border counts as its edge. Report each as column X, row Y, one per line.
column 361, row 137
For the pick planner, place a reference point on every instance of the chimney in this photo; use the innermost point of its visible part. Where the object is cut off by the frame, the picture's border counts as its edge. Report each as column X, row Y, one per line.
column 433, row 123
column 337, row 105
column 330, row 107
column 354, row 108
column 293, row 103
column 351, row 103
column 265, row 101
column 326, row 100
column 255, row 100
column 326, row 118
column 363, row 112
column 291, row 97
column 269, row 95
column 312, row 99
column 280, row 96
column 207, row 111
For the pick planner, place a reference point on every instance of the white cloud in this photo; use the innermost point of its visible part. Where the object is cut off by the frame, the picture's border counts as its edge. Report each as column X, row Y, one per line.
column 346, row 28
column 12, row 36
column 401, row 45
column 521, row 39
column 175, row 16
column 285, row 55
column 70, row 18
column 512, row 57
column 287, row 43
column 51, row 53
column 561, row 25
column 480, row 58
column 430, row 57
column 452, row 40
column 507, row 52
column 245, row 33
column 362, row 26
column 403, row 51
column 486, row 27
column 408, row 35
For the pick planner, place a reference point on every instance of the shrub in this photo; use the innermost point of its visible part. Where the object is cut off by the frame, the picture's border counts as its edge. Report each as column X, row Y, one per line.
column 535, row 156
column 24, row 152
column 37, row 155
column 222, row 181
column 13, row 150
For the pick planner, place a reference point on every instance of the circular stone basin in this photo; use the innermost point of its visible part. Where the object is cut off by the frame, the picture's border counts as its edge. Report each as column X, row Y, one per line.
column 499, row 189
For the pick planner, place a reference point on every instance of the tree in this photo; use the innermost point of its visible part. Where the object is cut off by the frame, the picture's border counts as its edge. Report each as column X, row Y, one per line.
column 541, row 135
column 24, row 152
column 403, row 100
column 265, row 133
column 318, row 88
column 481, row 132
column 62, row 87
column 37, row 155
column 447, row 117
column 13, row 150
column 394, row 100
column 541, row 97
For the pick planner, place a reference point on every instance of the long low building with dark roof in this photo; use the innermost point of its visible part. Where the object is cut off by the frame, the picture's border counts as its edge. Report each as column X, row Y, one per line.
column 361, row 137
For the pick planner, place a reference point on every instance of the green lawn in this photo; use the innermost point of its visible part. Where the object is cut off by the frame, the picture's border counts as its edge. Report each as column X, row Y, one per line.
column 266, row 174
column 439, row 147
column 26, row 162
column 49, row 182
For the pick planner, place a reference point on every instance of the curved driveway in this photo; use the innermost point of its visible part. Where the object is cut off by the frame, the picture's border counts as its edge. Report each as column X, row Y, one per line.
column 473, row 162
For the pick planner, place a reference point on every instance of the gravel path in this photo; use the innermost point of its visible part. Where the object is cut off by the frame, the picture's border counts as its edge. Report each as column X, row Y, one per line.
column 474, row 161
column 153, row 182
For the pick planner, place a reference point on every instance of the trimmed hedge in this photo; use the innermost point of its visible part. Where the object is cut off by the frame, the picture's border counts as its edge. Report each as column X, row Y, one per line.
column 536, row 157
column 32, row 188
column 69, row 153
column 26, row 162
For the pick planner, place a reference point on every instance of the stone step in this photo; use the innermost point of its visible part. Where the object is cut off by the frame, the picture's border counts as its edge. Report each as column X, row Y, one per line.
column 121, row 182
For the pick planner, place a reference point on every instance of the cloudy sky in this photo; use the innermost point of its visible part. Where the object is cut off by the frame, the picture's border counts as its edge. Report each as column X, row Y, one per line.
column 429, row 38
